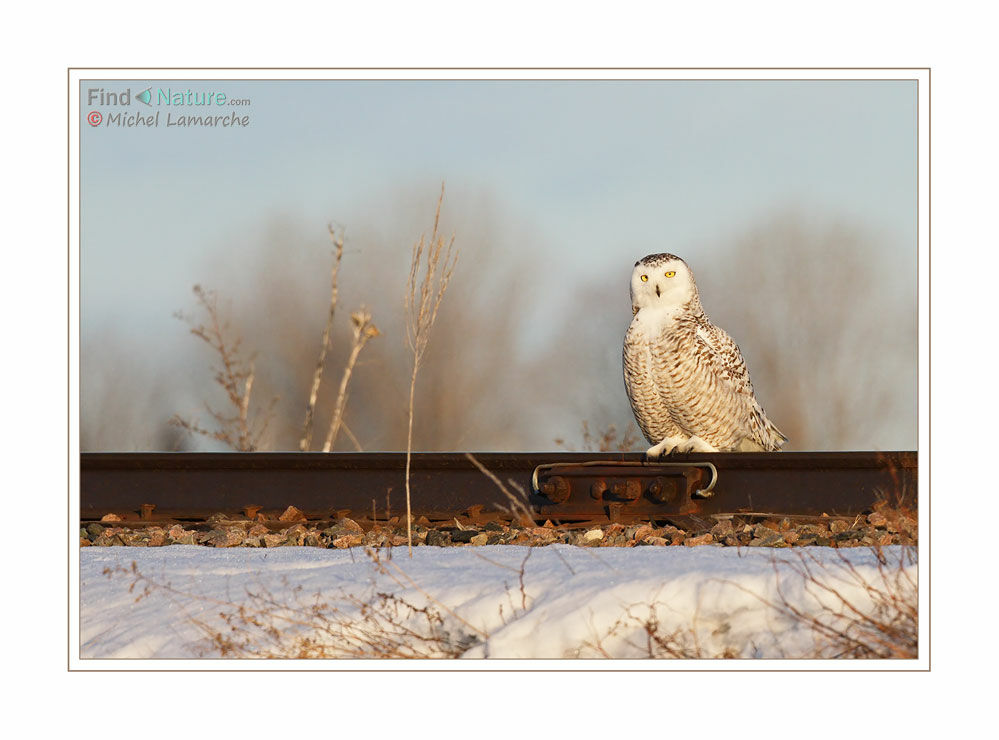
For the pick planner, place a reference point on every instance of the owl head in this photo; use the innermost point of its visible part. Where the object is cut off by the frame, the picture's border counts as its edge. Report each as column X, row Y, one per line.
column 661, row 281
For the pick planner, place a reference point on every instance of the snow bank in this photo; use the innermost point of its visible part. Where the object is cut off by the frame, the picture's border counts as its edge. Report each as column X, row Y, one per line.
column 503, row 601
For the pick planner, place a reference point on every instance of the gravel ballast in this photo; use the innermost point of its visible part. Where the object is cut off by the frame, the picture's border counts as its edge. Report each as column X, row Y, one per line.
column 878, row 528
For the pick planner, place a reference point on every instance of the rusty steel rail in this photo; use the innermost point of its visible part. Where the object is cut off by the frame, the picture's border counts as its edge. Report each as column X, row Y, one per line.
column 563, row 487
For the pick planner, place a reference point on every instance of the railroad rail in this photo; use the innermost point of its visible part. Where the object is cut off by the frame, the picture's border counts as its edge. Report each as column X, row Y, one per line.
column 565, row 488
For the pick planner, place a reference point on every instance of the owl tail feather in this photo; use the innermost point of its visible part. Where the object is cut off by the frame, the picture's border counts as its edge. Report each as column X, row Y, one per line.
column 770, row 437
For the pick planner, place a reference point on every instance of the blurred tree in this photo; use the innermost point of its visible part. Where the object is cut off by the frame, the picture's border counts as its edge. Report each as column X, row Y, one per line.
column 519, row 357
column 828, row 332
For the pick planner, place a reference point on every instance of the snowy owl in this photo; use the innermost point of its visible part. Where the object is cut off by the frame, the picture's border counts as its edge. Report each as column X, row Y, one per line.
column 686, row 379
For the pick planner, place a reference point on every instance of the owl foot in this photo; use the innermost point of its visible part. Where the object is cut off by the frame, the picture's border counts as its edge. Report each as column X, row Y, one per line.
column 668, row 445
column 696, row 444
column 678, row 444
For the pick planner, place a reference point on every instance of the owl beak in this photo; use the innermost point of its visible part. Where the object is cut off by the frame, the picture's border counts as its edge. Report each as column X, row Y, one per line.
column 657, row 290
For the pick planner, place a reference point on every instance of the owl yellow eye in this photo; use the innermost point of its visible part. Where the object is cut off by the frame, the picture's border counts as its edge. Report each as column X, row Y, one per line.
column 671, row 273
column 645, row 278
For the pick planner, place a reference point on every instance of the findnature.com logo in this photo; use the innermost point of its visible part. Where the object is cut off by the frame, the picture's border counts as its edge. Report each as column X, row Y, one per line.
column 170, row 98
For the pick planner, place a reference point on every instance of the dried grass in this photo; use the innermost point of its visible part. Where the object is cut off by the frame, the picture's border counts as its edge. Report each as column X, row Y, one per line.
column 429, row 274
column 517, row 505
column 305, row 444
column 364, row 330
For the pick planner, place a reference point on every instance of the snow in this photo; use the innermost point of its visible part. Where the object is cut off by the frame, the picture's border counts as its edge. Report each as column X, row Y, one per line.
column 550, row 602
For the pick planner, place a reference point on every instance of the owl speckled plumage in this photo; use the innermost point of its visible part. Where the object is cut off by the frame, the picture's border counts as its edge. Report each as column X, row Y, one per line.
column 687, row 382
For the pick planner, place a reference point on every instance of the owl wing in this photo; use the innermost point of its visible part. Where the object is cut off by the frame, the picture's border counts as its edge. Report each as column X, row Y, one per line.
column 725, row 358
column 722, row 361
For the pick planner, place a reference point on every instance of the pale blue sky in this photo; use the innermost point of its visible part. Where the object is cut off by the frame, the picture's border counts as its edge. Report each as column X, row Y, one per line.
column 588, row 164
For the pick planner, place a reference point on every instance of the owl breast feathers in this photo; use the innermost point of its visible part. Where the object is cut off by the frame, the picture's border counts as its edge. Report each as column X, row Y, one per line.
column 686, row 379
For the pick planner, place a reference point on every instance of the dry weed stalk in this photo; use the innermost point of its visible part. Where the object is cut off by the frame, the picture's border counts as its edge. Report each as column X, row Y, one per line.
column 428, row 281
column 518, row 507
column 364, row 330
column 306, row 442
column 234, row 375
column 350, row 435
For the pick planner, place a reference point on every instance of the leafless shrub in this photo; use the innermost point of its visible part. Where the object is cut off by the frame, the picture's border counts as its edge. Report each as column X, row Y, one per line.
column 380, row 626
column 234, row 374
column 377, row 624
column 845, row 628
column 374, row 625
column 881, row 625
column 606, row 440
column 827, row 327
column 428, row 281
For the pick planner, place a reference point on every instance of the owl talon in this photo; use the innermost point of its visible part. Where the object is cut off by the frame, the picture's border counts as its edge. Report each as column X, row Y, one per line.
column 696, row 444
column 666, row 447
